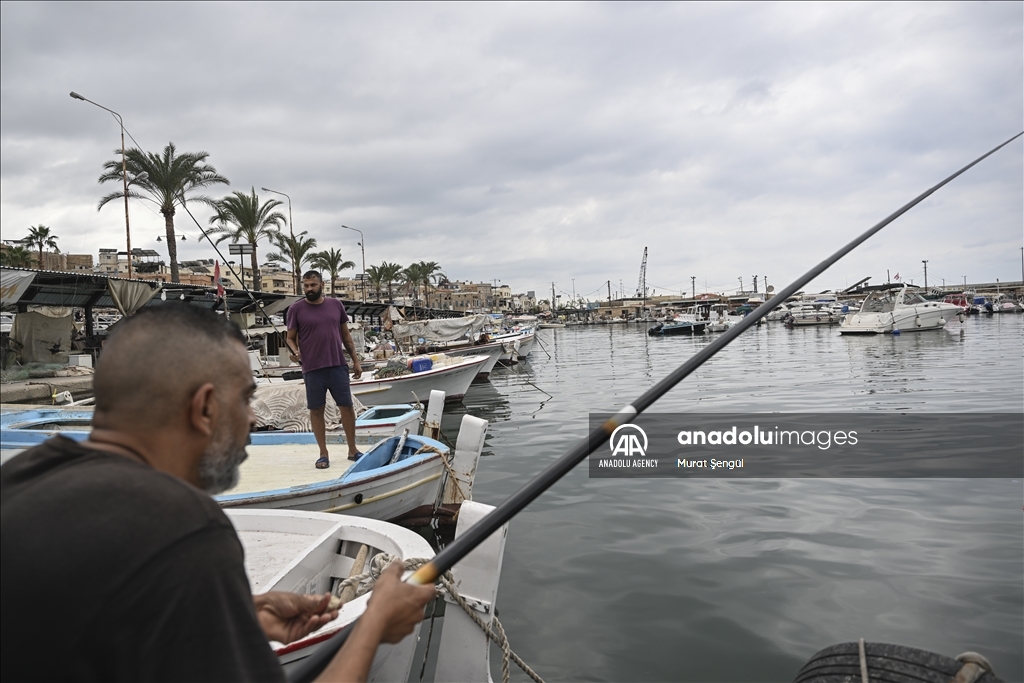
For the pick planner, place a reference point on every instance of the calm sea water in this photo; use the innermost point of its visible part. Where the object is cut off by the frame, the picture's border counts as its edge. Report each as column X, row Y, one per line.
column 699, row 580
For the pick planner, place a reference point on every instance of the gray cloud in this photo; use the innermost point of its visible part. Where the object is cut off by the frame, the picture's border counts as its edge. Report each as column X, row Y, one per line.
column 546, row 142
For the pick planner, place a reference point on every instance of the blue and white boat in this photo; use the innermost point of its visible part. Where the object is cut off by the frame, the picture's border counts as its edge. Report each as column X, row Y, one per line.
column 403, row 477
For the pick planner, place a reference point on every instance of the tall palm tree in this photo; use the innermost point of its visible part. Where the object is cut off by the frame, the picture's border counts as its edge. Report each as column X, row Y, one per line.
column 376, row 278
column 412, row 277
column 16, row 256
column 39, row 236
column 294, row 250
column 169, row 177
column 242, row 218
column 430, row 273
column 333, row 262
column 392, row 273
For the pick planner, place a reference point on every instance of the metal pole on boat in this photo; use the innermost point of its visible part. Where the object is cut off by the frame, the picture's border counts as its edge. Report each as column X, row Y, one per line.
column 309, row 668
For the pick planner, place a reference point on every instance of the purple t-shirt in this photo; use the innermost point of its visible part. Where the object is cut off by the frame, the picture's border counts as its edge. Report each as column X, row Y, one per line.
column 319, row 327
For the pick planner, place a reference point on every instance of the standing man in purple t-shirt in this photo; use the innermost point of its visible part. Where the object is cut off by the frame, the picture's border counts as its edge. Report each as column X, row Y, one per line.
column 317, row 329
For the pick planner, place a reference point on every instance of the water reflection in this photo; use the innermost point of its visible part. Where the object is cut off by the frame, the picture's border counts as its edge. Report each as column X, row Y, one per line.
column 641, row 580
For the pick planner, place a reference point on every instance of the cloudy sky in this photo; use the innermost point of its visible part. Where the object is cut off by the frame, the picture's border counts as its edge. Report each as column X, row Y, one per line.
column 543, row 142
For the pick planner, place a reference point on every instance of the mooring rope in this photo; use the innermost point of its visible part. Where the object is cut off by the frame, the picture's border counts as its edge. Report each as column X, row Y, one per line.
column 427, row 448
column 363, row 584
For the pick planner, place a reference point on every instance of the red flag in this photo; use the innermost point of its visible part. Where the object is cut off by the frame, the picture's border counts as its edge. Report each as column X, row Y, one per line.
column 896, row 276
column 216, row 278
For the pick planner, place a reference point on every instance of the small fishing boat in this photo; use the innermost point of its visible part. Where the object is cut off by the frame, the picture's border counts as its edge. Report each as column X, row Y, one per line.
column 686, row 327
column 403, row 478
column 493, row 351
column 518, row 344
column 895, row 308
column 809, row 315
column 1004, row 304
column 312, row 553
column 451, row 378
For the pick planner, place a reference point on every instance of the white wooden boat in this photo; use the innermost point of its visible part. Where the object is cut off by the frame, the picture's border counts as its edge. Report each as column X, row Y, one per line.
column 400, row 479
column 492, row 350
column 311, row 553
column 895, row 309
column 521, row 342
column 453, row 380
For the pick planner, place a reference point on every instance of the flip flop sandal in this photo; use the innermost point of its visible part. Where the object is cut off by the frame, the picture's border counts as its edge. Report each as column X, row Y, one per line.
column 323, row 463
column 354, row 458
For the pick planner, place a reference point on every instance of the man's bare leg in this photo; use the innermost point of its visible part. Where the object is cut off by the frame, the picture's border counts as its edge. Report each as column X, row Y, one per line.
column 348, row 423
column 316, row 419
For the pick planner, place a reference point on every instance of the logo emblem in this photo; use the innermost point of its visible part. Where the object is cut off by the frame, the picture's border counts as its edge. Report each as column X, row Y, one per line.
column 632, row 441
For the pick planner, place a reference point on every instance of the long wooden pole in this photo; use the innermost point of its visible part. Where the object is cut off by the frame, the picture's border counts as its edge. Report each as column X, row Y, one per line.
column 476, row 534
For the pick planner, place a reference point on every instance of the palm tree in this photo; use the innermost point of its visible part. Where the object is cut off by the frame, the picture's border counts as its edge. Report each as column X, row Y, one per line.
column 430, row 273
column 390, row 273
column 168, row 177
column 376, row 277
column 242, row 218
column 16, row 256
column 333, row 262
column 294, row 249
column 412, row 276
column 39, row 236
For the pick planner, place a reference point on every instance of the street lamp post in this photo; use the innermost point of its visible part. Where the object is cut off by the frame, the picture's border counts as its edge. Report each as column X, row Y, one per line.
column 362, row 246
column 124, row 177
column 291, row 231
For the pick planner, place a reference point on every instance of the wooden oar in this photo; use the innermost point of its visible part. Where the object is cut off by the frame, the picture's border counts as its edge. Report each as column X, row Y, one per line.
column 310, row 667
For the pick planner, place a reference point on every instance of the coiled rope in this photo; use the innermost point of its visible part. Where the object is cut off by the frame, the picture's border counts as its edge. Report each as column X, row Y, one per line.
column 363, row 584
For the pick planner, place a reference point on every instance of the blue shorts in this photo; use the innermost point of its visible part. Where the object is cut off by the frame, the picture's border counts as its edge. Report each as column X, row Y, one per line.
column 333, row 379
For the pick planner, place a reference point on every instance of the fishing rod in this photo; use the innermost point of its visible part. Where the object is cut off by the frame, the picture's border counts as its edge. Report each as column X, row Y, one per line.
column 310, row 667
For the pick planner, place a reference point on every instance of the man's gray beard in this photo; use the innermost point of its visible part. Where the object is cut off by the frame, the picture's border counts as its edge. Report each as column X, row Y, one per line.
column 218, row 469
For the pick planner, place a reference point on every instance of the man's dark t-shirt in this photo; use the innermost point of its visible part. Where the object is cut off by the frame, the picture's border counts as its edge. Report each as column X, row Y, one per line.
column 114, row 571
column 319, row 328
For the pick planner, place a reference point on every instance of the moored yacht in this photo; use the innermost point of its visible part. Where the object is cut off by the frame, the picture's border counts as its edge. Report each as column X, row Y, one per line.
column 895, row 308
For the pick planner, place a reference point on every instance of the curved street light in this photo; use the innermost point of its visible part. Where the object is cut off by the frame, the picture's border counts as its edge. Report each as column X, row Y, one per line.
column 291, row 231
column 362, row 245
column 124, row 176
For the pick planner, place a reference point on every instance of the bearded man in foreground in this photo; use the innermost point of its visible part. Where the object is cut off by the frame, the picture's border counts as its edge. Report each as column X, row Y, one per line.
column 116, row 563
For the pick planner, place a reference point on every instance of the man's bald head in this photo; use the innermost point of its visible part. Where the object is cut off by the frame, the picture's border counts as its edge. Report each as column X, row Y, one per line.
column 155, row 361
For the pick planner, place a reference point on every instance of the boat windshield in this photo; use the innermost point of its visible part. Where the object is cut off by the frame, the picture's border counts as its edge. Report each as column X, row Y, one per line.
column 916, row 299
column 878, row 302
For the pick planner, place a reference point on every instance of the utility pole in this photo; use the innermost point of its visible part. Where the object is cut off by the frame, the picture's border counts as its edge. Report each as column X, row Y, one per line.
column 925, row 262
column 609, row 292
column 693, row 285
column 765, row 278
column 741, row 284
column 755, row 284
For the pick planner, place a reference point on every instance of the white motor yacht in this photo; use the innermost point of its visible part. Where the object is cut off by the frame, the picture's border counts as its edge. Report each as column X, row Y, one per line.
column 895, row 308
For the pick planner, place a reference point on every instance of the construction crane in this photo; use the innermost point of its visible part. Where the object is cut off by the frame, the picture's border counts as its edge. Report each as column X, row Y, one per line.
column 641, row 288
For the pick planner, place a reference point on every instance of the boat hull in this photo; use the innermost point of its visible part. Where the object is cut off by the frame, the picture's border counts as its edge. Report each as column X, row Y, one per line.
column 516, row 348
column 674, row 329
column 492, row 351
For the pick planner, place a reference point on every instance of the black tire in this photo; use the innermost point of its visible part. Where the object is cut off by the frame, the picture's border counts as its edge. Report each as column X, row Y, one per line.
column 886, row 664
